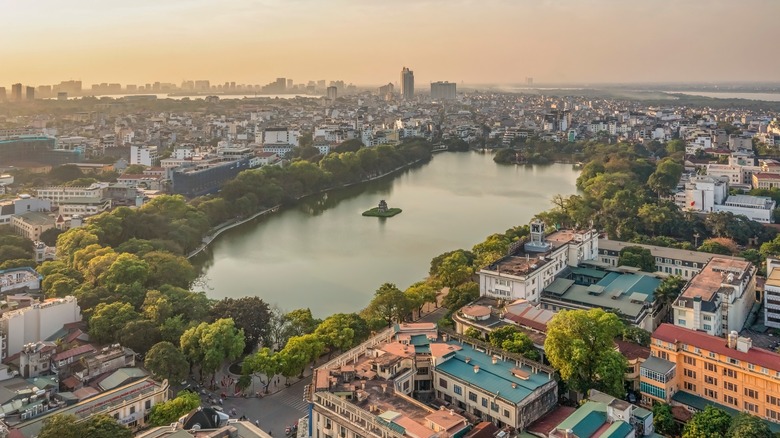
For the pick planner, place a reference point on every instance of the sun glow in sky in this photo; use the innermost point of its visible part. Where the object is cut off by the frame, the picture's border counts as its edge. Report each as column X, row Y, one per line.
column 368, row 41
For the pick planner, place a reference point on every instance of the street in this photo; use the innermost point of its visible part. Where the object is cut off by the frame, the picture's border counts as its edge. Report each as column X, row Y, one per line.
column 275, row 411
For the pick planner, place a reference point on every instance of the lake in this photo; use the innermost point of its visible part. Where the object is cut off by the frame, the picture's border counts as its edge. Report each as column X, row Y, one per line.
column 322, row 254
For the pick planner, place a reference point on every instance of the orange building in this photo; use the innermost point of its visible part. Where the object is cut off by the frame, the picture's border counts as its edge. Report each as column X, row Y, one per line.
column 693, row 369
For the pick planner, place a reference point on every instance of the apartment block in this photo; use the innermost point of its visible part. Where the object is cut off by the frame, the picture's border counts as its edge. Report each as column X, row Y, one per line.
column 35, row 323
column 693, row 369
column 718, row 299
column 532, row 264
column 772, row 294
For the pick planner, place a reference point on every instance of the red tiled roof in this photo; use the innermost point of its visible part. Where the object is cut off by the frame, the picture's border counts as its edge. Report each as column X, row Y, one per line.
column 767, row 176
column 632, row 351
column 757, row 356
column 485, row 429
column 547, row 423
column 74, row 352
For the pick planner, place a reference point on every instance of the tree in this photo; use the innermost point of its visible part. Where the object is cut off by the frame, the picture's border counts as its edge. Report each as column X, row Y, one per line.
column 501, row 334
column 460, row 295
column 49, row 237
column 300, row 322
column 389, row 304
column 637, row 257
column 712, row 246
column 167, row 268
column 580, row 345
column 421, row 293
column 342, row 331
column 170, row 411
column 471, row 332
column 208, row 345
column 636, row 335
column 711, row 422
column 96, row 426
column 265, row 362
column 165, row 361
column 250, row 314
column 663, row 420
column 454, row 269
column 299, row 351
column 109, row 319
column 748, row 426
column 140, row 335
column 668, row 291
column 521, row 344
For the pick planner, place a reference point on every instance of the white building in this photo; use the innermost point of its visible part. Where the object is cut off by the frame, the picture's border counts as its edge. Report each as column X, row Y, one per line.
column 22, row 204
column 144, row 155
column 17, row 279
column 703, row 193
column 93, row 194
column 35, row 323
column 533, row 265
column 756, row 208
column 277, row 136
column 772, row 294
column 718, row 299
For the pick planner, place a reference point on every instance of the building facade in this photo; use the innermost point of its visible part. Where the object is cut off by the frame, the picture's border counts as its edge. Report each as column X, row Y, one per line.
column 407, row 84
column 692, row 369
column 443, row 90
column 35, row 323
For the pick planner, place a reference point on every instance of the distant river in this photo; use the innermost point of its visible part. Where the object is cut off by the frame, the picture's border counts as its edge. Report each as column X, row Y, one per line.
column 770, row 97
column 324, row 255
column 200, row 96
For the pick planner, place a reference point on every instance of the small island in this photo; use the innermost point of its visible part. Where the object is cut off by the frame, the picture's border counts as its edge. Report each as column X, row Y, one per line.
column 382, row 210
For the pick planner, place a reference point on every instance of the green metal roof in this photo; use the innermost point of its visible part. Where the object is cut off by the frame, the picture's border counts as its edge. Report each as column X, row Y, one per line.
column 559, row 286
column 699, row 403
column 492, row 378
column 589, row 272
column 419, row 340
column 619, row 429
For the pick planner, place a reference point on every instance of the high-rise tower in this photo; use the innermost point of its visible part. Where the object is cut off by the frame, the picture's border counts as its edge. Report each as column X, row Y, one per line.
column 407, row 84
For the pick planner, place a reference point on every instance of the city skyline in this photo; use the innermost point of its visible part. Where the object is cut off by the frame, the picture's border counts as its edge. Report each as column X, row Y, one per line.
column 493, row 42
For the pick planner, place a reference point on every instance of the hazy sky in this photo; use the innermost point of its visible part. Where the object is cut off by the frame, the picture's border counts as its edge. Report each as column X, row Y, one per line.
column 368, row 41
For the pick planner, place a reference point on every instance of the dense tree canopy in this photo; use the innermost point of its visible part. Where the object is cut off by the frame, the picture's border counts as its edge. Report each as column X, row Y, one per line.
column 165, row 361
column 208, row 345
column 96, row 426
column 169, row 412
column 580, row 345
column 250, row 314
column 710, row 422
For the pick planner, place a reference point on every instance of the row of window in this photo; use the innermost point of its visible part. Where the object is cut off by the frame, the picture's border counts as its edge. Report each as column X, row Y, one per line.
column 458, row 390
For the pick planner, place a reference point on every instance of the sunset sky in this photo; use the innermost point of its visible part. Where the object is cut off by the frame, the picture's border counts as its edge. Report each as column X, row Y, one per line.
column 368, row 41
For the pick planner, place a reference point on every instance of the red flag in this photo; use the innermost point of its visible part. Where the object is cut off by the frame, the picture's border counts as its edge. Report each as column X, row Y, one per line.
column 693, row 203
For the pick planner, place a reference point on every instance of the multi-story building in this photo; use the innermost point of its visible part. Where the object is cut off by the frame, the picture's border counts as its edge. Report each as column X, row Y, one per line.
column 31, row 225
column 16, row 92
column 18, row 280
column 93, row 194
column 378, row 388
column 693, row 369
column 20, row 205
column 144, row 155
column 718, row 299
column 280, row 136
column 757, row 208
column 765, row 180
column 681, row 262
column 407, row 84
column 333, row 93
column 772, row 294
column 533, row 264
column 206, row 177
column 602, row 415
column 35, row 323
column 443, row 90
column 34, row 151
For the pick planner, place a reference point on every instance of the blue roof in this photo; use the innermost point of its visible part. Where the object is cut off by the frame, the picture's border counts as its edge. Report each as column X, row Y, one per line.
column 630, row 283
column 619, row 429
column 492, row 378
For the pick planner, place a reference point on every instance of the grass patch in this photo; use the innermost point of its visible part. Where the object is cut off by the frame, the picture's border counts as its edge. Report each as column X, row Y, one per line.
column 374, row 212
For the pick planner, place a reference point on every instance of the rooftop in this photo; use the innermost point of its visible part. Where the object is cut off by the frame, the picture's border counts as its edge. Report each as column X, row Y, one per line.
column 679, row 335
column 37, row 218
column 661, row 251
column 717, row 277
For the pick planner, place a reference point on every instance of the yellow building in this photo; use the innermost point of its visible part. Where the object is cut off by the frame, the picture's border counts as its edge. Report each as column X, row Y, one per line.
column 693, row 369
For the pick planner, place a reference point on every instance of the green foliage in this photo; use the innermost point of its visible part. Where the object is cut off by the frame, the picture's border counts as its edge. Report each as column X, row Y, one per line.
column 521, row 344
column 389, row 305
column 109, row 319
column 139, row 335
column 169, row 412
column 714, row 247
column 666, row 176
column 663, row 420
column 461, row 295
column 580, row 345
column 436, row 261
column 49, row 237
column 501, row 334
column 342, row 331
column 637, row 257
column 352, row 145
column 711, row 422
column 165, row 361
column 250, row 314
column 265, row 362
column 454, row 269
column 744, row 425
column 67, row 172
column 473, row 333
column 208, row 345
column 96, row 426
column 13, row 247
column 300, row 351
column 636, row 335
column 421, row 293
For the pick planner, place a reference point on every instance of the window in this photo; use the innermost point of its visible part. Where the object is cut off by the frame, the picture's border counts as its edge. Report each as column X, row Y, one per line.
column 729, row 373
column 442, row 383
column 752, row 393
column 690, row 387
column 132, row 410
column 148, row 405
column 733, row 361
column 773, row 414
column 457, row 389
column 689, row 360
column 712, row 355
column 730, row 386
column 689, row 373
column 751, row 407
column 506, row 413
column 494, row 406
column 710, row 367
column 773, row 400
column 710, row 380
column 652, row 390
column 751, row 367
column 484, row 402
column 707, row 318
column 710, row 393
column 472, row 396
column 707, row 327
column 681, row 322
column 730, row 400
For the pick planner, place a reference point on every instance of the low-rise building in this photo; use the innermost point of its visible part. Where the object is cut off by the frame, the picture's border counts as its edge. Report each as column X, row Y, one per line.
column 379, row 388
column 765, row 180
column 533, row 264
column 18, row 280
column 31, row 225
column 757, row 208
column 693, row 369
column 605, row 416
column 91, row 194
column 718, row 299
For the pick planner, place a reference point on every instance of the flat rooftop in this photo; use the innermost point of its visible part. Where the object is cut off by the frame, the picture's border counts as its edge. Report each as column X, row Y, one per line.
column 714, row 278
column 663, row 252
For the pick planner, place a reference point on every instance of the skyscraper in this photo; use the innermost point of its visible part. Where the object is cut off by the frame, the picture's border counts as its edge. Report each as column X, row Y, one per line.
column 407, row 84
column 333, row 93
column 29, row 93
column 443, row 90
column 16, row 92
